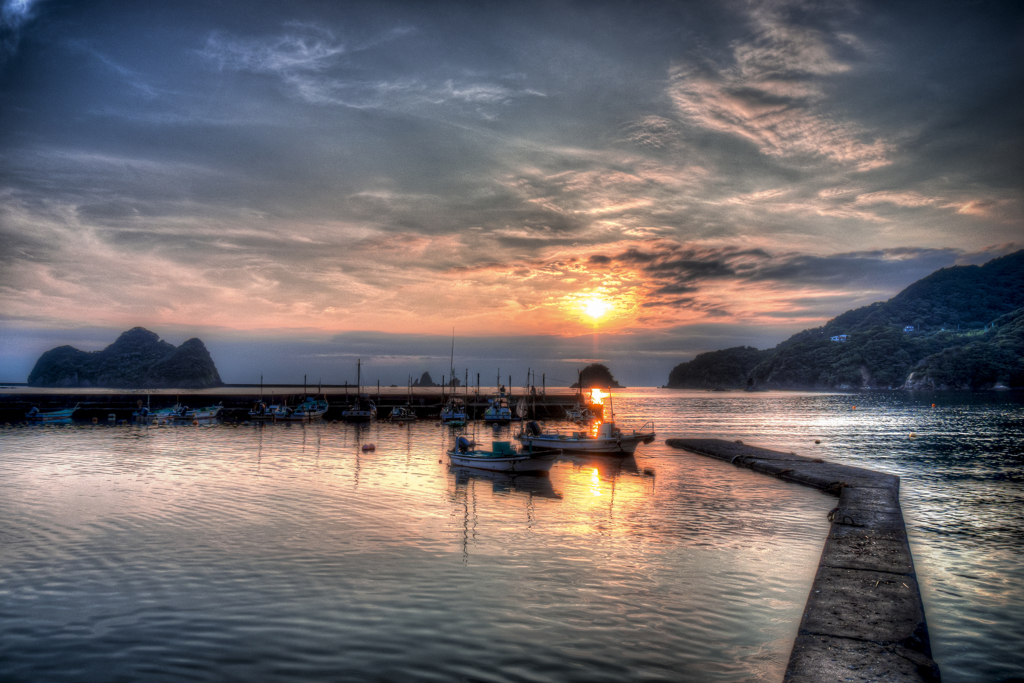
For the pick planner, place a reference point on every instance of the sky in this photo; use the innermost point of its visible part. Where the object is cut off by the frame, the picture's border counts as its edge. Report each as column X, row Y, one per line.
column 302, row 184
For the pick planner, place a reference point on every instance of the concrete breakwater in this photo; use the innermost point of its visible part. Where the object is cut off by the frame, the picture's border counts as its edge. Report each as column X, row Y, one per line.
column 238, row 401
column 864, row 619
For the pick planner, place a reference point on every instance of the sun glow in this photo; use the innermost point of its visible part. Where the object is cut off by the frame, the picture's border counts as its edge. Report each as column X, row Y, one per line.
column 597, row 397
column 596, row 308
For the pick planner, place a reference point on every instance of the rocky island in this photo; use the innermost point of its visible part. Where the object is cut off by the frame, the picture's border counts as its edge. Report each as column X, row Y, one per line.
column 959, row 328
column 139, row 359
column 596, row 375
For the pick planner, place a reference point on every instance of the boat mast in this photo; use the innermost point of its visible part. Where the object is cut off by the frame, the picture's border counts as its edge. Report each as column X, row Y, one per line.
column 452, row 363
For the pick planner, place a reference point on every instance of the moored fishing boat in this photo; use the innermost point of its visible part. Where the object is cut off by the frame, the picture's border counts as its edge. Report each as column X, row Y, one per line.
column 261, row 411
column 498, row 411
column 580, row 413
column 587, row 410
column 164, row 414
column 63, row 415
column 503, row 457
column 206, row 413
column 454, row 412
column 604, row 438
column 402, row 414
column 362, row 408
column 310, row 409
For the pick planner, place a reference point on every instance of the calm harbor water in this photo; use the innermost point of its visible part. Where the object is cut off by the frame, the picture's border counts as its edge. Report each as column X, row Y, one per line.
column 283, row 553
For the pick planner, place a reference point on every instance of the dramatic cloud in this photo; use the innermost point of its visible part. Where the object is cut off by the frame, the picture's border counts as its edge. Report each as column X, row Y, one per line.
column 771, row 95
column 329, row 170
column 13, row 15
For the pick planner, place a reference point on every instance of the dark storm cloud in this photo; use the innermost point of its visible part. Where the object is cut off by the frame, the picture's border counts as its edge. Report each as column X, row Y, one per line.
column 684, row 264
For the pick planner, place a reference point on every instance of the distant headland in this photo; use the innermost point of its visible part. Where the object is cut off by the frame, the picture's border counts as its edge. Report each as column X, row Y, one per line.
column 138, row 359
column 959, row 328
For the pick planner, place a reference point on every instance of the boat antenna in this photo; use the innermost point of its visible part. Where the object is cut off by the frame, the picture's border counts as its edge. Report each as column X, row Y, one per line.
column 359, row 377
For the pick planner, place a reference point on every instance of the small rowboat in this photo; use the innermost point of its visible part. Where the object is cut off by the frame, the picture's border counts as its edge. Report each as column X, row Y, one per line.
column 503, row 457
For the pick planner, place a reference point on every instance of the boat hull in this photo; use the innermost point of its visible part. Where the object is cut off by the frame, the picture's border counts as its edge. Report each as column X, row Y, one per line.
column 624, row 445
column 303, row 416
column 533, row 462
column 56, row 416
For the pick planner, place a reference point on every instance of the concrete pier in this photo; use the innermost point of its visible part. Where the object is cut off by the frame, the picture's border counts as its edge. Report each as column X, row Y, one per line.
column 864, row 619
column 238, row 400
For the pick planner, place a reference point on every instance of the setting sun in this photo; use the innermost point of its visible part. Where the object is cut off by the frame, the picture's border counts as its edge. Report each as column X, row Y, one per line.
column 596, row 308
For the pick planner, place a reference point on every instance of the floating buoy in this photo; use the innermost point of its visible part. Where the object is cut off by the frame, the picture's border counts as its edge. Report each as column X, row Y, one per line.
column 933, row 405
column 853, row 407
column 649, row 471
column 195, row 423
column 95, row 420
column 369, row 447
column 817, row 441
column 439, row 459
column 913, row 435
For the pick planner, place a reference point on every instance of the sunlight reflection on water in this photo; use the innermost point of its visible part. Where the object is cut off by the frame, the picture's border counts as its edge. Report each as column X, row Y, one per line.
column 287, row 552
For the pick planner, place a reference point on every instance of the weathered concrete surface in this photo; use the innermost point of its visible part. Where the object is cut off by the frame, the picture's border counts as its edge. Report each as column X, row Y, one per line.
column 864, row 619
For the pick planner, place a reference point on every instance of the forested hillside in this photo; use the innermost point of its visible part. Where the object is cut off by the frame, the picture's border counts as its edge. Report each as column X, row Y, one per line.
column 137, row 359
column 968, row 328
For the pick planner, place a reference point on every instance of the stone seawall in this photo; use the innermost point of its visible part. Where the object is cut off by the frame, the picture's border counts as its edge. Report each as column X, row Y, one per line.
column 864, row 619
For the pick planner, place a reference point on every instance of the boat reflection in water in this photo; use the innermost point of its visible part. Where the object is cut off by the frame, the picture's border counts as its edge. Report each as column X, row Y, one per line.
column 525, row 484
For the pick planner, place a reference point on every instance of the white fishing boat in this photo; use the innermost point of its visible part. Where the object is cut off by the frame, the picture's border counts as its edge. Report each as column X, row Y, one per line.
column 454, row 412
column 402, row 414
column 180, row 413
column 63, row 415
column 262, row 411
column 580, row 413
column 605, row 437
column 310, row 409
column 503, row 457
column 164, row 414
column 362, row 408
column 585, row 411
column 207, row 413
column 498, row 411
